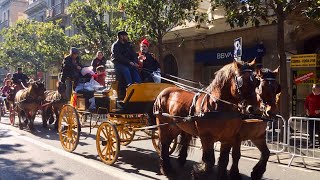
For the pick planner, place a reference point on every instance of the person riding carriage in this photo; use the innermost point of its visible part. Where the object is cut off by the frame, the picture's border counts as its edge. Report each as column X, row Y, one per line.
column 19, row 77
column 148, row 63
column 70, row 70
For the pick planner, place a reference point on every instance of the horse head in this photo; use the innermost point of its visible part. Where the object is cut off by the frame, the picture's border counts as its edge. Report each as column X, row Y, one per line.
column 268, row 90
column 244, row 85
column 37, row 89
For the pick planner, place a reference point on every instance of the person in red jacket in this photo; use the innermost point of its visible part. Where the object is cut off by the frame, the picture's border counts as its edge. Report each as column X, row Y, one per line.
column 100, row 75
column 312, row 107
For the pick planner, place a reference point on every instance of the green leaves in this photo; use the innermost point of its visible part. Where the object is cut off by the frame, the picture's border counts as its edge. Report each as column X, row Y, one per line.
column 33, row 45
column 154, row 18
column 253, row 12
column 90, row 19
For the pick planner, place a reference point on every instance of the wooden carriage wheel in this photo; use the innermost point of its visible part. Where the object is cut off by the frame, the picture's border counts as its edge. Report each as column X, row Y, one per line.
column 69, row 128
column 155, row 142
column 12, row 115
column 108, row 142
column 125, row 134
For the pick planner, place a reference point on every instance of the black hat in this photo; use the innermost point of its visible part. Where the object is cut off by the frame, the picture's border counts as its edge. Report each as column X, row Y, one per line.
column 19, row 68
column 122, row 33
column 74, row 50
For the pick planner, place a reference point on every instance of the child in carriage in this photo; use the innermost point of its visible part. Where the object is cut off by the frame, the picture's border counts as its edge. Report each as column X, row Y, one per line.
column 100, row 75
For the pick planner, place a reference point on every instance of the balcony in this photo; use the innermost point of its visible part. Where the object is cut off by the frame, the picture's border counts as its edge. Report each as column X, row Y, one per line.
column 56, row 11
column 4, row 24
column 36, row 6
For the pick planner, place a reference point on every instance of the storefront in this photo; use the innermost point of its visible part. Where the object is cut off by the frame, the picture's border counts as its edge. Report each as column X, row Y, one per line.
column 214, row 59
column 305, row 72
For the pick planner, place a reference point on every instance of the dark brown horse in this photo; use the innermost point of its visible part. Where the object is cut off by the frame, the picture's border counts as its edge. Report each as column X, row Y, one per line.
column 54, row 100
column 28, row 101
column 254, row 129
column 232, row 89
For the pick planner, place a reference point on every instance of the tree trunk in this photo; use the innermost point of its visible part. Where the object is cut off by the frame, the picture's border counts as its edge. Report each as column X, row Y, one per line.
column 284, row 100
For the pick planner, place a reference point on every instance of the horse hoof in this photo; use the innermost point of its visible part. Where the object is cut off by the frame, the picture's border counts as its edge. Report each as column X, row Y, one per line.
column 51, row 120
column 222, row 175
column 169, row 172
column 182, row 161
column 256, row 176
column 202, row 168
column 20, row 126
column 235, row 176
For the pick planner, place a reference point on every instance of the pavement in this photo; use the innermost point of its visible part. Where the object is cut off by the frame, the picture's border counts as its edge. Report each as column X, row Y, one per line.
column 40, row 156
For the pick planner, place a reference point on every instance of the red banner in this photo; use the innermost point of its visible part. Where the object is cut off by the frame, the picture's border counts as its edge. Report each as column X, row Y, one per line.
column 304, row 78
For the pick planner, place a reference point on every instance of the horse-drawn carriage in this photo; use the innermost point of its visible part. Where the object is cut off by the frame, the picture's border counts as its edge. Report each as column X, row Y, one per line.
column 117, row 121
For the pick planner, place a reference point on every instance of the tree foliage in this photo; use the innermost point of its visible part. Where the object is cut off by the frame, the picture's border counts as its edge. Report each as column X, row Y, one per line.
column 33, row 45
column 155, row 18
column 90, row 19
column 252, row 12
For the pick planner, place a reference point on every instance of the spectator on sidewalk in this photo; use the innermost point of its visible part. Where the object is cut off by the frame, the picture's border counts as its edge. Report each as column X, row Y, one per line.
column 312, row 107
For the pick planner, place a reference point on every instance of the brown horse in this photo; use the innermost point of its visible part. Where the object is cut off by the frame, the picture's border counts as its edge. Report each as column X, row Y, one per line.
column 254, row 129
column 27, row 102
column 232, row 89
column 54, row 100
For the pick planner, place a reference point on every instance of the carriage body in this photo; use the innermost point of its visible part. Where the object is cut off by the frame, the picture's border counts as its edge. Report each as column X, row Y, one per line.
column 117, row 120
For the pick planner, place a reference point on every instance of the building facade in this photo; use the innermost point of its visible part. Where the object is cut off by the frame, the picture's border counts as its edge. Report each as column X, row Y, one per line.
column 10, row 12
column 197, row 51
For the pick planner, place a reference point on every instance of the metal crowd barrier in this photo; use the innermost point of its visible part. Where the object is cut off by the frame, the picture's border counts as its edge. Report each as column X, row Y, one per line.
column 300, row 144
column 275, row 137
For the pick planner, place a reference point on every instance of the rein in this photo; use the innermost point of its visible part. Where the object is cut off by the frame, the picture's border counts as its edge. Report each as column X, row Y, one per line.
column 197, row 90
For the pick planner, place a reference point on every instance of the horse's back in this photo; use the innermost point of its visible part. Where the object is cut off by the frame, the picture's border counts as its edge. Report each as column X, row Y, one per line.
column 51, row 95
column 171, row 98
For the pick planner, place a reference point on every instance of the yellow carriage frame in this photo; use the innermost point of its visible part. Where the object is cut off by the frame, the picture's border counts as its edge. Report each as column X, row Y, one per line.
column 120, row 125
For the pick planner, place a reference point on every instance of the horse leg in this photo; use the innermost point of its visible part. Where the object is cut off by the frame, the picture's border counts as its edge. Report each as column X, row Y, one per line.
column 19, row 117
column 207, row 158
column 44, row 117
column 57, row 118
column 223, row 160
column 31, row 118
column 260, row 167
column 183, row 146
column 166, row 136
column 51, row 115
column 236, row 155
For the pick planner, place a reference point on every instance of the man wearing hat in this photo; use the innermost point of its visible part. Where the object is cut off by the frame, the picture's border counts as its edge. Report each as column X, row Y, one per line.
column 312, row 107
column 19, row 77
column 147, row 61
column 71, row 68
column 125, row 59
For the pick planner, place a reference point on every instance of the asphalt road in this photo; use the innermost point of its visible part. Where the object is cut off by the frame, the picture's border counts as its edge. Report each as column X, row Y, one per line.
column 40, row 156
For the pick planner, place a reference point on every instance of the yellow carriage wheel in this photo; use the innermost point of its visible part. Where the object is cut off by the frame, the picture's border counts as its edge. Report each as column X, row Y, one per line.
column 125, row 134
column 155, row 142
column 69, row 128
column 108, row 142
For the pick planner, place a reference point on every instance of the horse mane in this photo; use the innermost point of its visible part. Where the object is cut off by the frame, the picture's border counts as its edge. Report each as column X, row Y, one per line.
column 221, row 77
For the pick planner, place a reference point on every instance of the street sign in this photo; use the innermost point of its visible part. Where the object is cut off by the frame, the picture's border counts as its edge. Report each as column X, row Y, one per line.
column 237, row 48
column 305, row 60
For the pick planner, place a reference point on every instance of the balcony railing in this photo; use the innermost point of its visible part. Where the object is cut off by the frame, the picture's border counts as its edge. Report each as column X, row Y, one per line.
column 56, row 10
column 4, row 24
column 37, row 3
